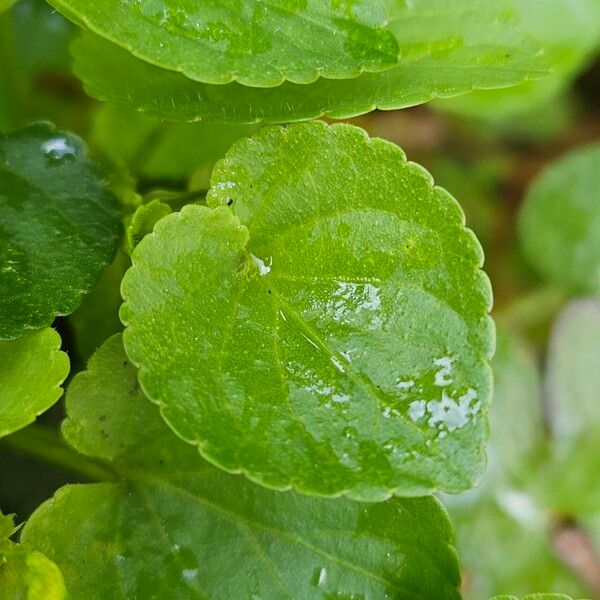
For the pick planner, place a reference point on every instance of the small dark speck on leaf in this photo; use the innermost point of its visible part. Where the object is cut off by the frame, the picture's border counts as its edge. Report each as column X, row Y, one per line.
column 229, row 202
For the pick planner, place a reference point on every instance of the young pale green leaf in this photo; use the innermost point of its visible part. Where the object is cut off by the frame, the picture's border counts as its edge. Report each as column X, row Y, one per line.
column 573, row 377
column 324, row 326
column 448, row 48
column 173, row 526
column 256, row 43
column 560, row 222
column 59, row 227
column 32, row 369
column 6, row 4
column 143, row 221
column 24, row 574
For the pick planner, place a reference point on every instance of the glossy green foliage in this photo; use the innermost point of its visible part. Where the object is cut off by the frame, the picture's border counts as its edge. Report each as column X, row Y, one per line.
column 173, row 526
column 569, row 33
column 59, row 227
column 24, row 574
column 254, row 42
column 448, row 48
column 32, row 369
column 560, row 222
column 323, row 325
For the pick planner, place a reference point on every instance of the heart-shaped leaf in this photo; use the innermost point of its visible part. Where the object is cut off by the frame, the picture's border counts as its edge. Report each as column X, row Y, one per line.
column 59, row 227
column 560, row 221
column 324, row 326
column 32, row 369
column 173, row 526
column 448, row 48
column 254, row 42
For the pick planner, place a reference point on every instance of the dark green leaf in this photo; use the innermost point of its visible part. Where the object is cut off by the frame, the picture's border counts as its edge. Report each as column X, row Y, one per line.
column 173, row 526
column 328, row 331
column 59, row 227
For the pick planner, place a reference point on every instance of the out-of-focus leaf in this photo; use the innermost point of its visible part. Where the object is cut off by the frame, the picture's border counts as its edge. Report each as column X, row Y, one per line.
column 98, row 316
column 156, row 149
column 559, row 224
column 573, row 376
column 569, row 31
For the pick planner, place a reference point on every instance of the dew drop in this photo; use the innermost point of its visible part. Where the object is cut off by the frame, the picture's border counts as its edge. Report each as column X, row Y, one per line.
column 58, row 149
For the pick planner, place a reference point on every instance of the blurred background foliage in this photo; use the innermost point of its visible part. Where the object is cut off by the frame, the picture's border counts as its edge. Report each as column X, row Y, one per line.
column 534, row 521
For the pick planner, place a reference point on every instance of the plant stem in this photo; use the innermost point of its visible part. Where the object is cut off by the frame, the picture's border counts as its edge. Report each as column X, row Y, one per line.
column 47, row 445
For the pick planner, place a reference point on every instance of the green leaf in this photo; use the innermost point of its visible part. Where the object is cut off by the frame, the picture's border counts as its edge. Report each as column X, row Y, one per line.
column 559, row 224
column 6, row 4
column 329, row 331
column 504, row 546
column 535, row 597
column 569, row 32
column 448, row 48
column 143, row 221
column 32, row 369
column 159, row 150
column 516, row 423
column 573, row 462
column 255, row 43
column 573, row 377
column 173, row 526
column 25, row 574
column 59, row 227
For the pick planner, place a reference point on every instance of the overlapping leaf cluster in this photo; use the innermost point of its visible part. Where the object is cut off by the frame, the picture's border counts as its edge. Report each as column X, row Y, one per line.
column 306, row 350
